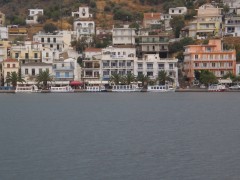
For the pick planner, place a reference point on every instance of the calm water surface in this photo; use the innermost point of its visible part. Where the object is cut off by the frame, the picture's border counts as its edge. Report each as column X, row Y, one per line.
column 117, row 136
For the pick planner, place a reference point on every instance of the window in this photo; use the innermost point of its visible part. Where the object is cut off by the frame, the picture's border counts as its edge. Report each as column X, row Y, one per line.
column 33, row 72
column 171, row 66
column 140, row 73
column 222, row 73
column 140, row 66
column 54, row 40
column 129, row 64
column 62, row 65
column 172, row 11
column 14, row 65
column 47, row 54
column 57, row 46
column 48, row 39
column 35, row 55
column 180, row 11
column 149, row 66
column 213, row 64
column 51, row 45
column 230, row 64
column 208, row 49
column 149, row 73
column 26, row 55
column 160, row 66
column 196, row 64
column 16, row 55
column 204, row 64
column 8, row 65
column 57, row 74
column 196, row 56
column 66, row 74
column 26, row 71
column 42, row 39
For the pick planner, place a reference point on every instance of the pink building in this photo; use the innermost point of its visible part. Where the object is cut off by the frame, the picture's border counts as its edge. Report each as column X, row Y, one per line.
column 210, row 57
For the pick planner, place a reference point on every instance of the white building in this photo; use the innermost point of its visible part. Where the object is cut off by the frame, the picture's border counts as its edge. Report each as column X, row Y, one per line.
column 33, row 16
column 3, row 33
column 83, row 12
column 152, row 64
column 84, row 28
column 49, row 55
column 65, row 71
column 232, row 26
column 30, row 70
column 117, row 60
column 123, row 35
column 59, row 41
column 177, row 11
column 233, row 5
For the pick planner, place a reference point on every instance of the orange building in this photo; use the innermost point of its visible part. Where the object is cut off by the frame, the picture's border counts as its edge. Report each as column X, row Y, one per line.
column 210, row 57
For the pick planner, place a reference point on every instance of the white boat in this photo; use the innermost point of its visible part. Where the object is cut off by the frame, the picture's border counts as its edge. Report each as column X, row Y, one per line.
column 95, row 88
column 29, row 89
column 160, row 88
column 217, row 88
column 126, row 88
column 62, row 89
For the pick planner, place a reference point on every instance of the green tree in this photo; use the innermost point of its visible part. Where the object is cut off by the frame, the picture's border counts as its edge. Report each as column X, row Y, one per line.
column 80, row 44
column 44, row 77
column 144, row 79
column 177, row 23
column 207, row 77
column 115, row 78
column 14, row 78
column 129, row 78
column 49, row 28
column 163, row 77
column 229, row 75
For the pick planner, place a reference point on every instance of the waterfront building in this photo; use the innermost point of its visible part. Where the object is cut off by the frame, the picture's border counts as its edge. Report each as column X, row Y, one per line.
column 208, row 22
column 33, row 16
column 210, row 57
column 123, row 35
column 9, row 65
column 30, row 70
column 57, row 41
column 91, row 64
column 65, row 71
column 152, row 64
column 117, row 60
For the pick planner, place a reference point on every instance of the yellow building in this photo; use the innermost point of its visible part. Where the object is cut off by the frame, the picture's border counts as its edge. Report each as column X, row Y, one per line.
column 8, row 66
column 26, row 52
column 208, row 22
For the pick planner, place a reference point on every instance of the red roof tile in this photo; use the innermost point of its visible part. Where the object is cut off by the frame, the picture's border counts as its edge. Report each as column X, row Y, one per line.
column 152, row 15
column 10, row 60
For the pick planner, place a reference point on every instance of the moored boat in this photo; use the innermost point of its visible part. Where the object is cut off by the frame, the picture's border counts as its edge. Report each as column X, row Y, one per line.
column 95, row 89
column 160, row 88
column 216, row 88
column 62, row 89
column 29, row 89
column 126, row 88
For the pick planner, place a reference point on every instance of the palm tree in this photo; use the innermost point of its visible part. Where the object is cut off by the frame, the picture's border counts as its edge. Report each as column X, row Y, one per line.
column 44, row 77
column 115, row 78
column 163, row 77
column 14, row 78
column 144, row 80
column 129, row 78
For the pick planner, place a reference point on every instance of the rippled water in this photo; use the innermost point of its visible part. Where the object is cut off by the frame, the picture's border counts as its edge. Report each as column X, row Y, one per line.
column 120, row 136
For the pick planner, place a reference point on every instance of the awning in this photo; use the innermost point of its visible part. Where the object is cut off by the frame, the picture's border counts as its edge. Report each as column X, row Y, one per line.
column 225, row 81
column 76, row 83
column 97, row 82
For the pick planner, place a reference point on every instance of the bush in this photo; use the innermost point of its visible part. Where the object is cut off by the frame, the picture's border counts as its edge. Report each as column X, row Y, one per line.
column 49, row 28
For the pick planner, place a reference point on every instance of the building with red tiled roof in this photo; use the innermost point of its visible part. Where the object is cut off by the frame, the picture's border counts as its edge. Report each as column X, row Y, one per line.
column 151, row 19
